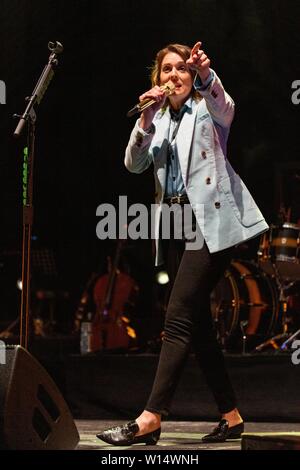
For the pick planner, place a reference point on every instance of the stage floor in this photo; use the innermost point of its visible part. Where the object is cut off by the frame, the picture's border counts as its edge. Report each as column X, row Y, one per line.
column 176, row 435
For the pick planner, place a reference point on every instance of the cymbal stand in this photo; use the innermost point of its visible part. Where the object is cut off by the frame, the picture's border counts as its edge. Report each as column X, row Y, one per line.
column 291, row 337
column 283, row 302
column 243, row 324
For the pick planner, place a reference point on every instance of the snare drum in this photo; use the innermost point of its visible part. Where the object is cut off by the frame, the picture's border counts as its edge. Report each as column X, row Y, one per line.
column 279, row 251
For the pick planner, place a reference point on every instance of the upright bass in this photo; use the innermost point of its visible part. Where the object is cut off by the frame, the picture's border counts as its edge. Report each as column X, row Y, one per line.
column 113, row 293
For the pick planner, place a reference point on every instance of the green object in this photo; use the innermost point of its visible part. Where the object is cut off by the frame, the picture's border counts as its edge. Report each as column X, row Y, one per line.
column 25, row 175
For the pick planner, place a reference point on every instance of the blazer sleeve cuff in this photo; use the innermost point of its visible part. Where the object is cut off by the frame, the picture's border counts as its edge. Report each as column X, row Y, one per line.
column 202, row 86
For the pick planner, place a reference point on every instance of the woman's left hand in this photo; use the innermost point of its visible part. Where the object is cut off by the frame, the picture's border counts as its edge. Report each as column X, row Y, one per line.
column 199, row 61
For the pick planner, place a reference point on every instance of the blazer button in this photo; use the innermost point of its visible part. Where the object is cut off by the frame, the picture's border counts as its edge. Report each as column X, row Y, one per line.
column 208, row 180
column 203, row 154
column 217, row 205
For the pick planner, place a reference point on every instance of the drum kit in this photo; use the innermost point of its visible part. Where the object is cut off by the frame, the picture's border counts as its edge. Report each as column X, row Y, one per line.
column 256, row 305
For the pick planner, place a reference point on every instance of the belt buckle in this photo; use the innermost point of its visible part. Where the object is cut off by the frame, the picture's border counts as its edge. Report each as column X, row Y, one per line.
column 175, row 199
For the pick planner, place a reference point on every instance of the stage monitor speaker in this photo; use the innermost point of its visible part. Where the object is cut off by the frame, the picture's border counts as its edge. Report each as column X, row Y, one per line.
column 271, row 441
column 33, row 413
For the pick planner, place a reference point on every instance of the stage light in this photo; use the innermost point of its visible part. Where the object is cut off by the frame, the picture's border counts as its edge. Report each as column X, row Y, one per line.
column 162, row 277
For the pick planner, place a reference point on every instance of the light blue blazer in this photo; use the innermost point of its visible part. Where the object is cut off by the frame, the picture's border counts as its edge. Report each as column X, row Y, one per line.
column 224, row 208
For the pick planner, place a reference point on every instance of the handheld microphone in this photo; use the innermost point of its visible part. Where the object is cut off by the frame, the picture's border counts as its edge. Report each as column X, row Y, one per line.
column 168, row 88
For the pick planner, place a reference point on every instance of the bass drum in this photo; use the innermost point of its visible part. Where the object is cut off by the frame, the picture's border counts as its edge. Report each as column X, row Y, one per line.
column 245, row 303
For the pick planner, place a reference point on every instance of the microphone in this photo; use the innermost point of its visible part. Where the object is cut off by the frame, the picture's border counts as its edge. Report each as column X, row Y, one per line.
column 168, row 88
column 55, row 47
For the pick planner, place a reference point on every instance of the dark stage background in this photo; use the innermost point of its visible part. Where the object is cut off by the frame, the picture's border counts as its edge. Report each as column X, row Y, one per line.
column 82, row 128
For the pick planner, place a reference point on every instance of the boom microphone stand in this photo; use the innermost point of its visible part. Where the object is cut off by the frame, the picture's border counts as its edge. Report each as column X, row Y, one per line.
column 29, row 117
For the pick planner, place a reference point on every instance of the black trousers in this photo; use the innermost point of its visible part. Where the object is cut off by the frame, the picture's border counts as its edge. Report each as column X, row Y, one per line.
column 188, row 322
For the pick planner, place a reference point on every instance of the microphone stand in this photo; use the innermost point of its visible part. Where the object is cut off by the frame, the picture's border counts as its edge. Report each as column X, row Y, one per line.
column 29, row 117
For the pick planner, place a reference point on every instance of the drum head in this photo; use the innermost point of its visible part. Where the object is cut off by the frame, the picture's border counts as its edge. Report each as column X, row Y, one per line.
column 244, row 303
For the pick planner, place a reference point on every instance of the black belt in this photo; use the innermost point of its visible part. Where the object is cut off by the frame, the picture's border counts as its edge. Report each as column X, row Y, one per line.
column 177, row 200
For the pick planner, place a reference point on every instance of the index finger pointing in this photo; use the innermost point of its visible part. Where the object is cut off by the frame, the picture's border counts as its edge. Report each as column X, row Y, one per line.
column 196, row 48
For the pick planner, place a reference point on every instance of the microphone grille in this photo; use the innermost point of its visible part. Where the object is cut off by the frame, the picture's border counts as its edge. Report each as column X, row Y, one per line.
column 169, row 87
